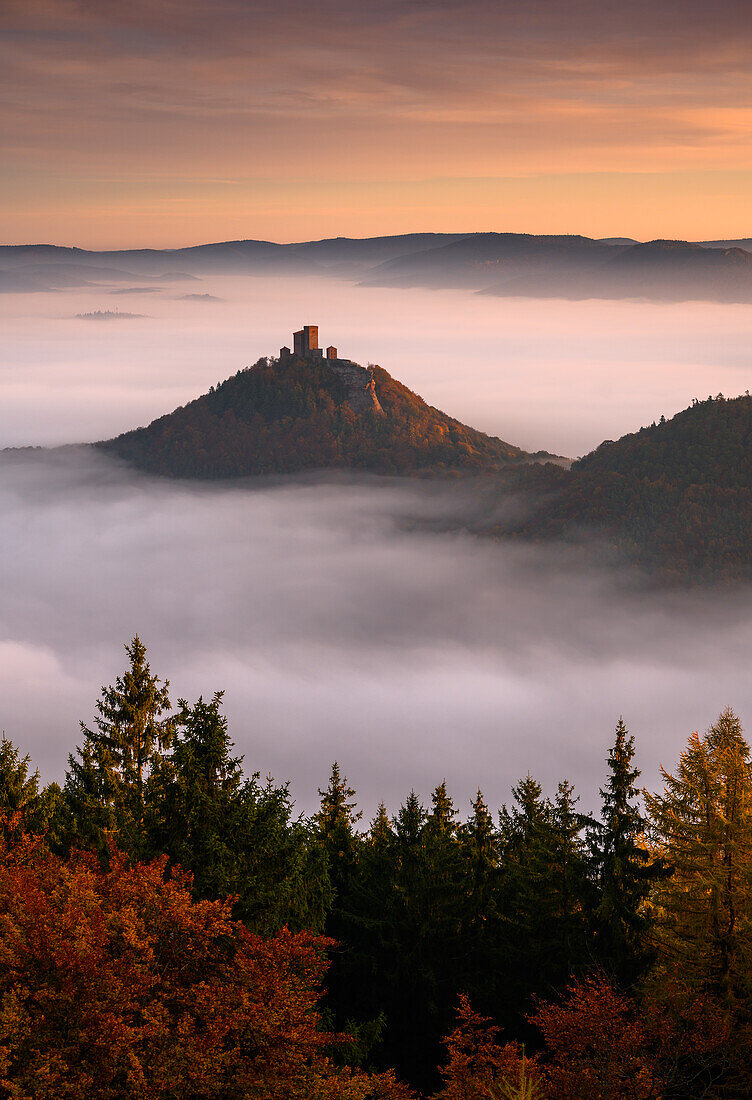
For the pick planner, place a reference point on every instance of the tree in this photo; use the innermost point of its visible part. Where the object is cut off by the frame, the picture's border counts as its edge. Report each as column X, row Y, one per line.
column 703, row 824
column 105, row 786
column 570, row 886
column 484, row 943
column 478, row 1066
column 336, row 825
column 116, row 984
column 21, row 798
column 625, row 870
column 534, row 940
column 235, row 835
column 597, row 1047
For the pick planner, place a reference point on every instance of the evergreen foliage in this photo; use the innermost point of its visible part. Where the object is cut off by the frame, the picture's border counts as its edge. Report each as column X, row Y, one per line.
column 106, row 780
column 624, row 867
column 22, row 801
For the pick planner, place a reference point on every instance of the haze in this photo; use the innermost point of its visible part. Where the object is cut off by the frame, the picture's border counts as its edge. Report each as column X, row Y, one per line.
column 551, row 375
column 337, row 623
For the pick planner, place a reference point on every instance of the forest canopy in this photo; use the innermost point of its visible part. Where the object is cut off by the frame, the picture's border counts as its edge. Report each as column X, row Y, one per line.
column 172, row 928
column 287, row 415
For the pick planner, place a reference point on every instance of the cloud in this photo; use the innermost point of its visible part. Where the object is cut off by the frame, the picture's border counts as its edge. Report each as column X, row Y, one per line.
column 339, row 618
column 351, row 92
column 340, row 627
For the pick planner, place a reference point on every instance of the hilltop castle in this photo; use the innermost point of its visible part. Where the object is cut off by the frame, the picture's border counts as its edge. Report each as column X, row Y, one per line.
column 306, row 345
column 359, row 380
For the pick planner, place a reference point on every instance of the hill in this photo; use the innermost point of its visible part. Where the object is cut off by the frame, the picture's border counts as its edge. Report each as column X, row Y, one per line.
column 504, row 264
column 675, row 497
column 671, row 271
column 297, row 413
column 485, row 260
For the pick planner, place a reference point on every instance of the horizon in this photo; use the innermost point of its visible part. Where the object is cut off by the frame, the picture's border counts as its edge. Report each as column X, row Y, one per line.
column 177, row 247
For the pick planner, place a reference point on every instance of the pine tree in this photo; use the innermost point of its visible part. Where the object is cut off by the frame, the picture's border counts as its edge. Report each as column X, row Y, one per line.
column 624, row 868
column 105, row 783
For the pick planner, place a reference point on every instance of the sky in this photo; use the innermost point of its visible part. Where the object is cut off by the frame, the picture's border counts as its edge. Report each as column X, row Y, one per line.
column 195, row 120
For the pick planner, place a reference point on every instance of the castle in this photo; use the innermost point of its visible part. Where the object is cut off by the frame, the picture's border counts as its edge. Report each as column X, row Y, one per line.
column 360, row 383
column 306, row 345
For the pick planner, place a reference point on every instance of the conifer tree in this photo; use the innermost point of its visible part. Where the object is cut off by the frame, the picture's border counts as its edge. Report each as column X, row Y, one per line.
column 105, row 783
column 570, row 886
column 482, row 918
column 542, row 867
column 20, row 794
column 336, row 821
column 703, row 823
column 625, row 870
column 235, row 835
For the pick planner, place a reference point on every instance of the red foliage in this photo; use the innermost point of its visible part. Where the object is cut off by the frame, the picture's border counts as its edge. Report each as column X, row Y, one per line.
column 476, row 1060
column 115, row 984
column 597, row 1047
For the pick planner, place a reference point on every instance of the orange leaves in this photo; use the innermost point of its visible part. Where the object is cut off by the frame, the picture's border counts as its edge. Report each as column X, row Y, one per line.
column 478, row 1066
column 115, row 983
column 596, row 1046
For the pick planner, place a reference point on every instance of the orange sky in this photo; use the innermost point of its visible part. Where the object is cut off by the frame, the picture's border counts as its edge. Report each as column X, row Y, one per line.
column 193, row 120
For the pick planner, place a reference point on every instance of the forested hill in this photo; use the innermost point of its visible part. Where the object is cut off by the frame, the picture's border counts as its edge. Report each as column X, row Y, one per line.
column 292, row 414
column 675, row 496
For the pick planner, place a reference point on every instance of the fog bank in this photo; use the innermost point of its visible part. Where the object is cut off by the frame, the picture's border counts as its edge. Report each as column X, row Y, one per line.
column 544, row 375
column 340, row 629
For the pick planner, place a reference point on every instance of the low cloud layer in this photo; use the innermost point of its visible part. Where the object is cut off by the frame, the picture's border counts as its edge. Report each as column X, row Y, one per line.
column 338, row 624
column 544, row 375
column 339, row 628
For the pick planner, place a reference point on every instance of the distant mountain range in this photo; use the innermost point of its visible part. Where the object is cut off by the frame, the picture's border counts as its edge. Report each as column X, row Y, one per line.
column 504, row 264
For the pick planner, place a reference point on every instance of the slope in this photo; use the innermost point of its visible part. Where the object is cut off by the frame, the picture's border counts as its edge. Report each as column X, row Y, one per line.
column 676, row 497
column 292, row 414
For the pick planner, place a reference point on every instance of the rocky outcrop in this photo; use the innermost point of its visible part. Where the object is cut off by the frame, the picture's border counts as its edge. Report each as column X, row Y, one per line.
column 361, row 386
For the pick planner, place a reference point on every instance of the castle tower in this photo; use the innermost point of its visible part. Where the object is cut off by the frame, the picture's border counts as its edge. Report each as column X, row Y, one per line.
column 306, row 340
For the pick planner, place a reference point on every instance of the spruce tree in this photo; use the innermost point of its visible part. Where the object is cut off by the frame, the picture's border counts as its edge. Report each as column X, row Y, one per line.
column 542, row 866
column 482, row 917
column 236, row 835
column 336, row 821
column 570, row 884
column 624, row 868
column 21, row 797
column 105, row 782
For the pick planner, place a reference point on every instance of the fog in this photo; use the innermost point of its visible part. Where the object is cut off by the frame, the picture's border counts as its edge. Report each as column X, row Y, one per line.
column 337, row 621
column 544, row 375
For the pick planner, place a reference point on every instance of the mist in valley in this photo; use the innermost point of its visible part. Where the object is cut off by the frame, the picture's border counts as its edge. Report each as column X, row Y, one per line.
column 337, row 616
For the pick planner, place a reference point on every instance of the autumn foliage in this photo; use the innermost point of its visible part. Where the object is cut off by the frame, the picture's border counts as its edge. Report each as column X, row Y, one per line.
column 478, row 1064
column 115, row 983
column 169, row 931
column 283, row 416
column 596, row 1045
